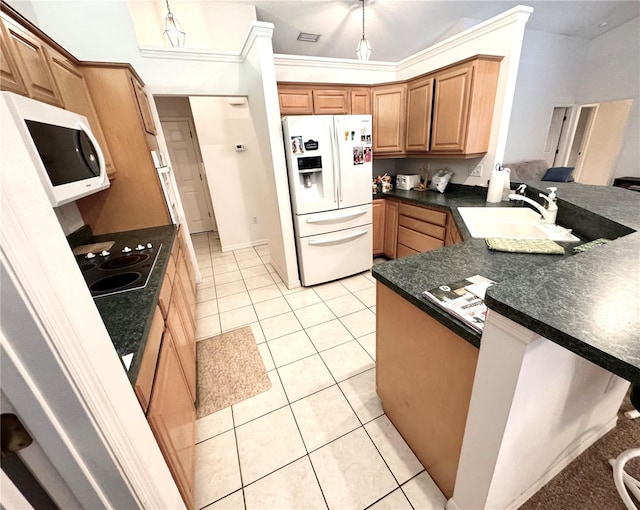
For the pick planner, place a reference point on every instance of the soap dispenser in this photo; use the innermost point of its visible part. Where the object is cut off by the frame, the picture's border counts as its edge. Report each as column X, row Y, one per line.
column 551, row 205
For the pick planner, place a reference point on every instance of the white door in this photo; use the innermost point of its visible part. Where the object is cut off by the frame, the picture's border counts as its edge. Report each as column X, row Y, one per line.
column 602, row 143
column 355, row 154
column 309, row 143
column 551, row 148
column 189, row 174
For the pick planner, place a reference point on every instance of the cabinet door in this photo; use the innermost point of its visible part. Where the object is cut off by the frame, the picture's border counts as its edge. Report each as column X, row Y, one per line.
column 10, row 78
column 295, row 100
column 75, row 97
column 360, row 101
column 418, row 127
column 391, row 229
column 144, row 381
column 378, row 226
column 451, row 109
column 172, row 419
column 183, row 336
column 143, row 107
column 388, row 118
column 330, row 102
column 30, row 56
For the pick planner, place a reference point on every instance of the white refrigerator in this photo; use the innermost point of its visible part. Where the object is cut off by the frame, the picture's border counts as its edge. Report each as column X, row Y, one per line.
column 330, row 161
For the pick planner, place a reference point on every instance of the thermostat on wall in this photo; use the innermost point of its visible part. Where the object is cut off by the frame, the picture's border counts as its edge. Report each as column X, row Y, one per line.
column 240, row 147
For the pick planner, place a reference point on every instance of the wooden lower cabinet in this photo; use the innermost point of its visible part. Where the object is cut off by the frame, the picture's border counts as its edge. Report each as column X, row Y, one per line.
column 172, row 418
column 391, row 229
column 424, row 377
column 146, row 374
column 453, row 234
column 378, row 226
column 420, row 229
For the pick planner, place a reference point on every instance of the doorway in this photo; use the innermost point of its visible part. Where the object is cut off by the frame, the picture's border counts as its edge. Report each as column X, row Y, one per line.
column 189, row 174
column 556, row 129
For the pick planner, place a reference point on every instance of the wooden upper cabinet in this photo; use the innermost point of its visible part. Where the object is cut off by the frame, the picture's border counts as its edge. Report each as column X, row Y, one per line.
column 10, row 78
column 30, row 56
column 75, row 97
column 143, row 107
column 418, row 126
column 295, row 100
column 389, row 106
column 330, row 102
column 360, row 101
column 463, row 106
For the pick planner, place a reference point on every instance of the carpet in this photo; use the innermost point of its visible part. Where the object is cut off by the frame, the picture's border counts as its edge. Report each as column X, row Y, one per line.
column 587, row 483
column 229, row 370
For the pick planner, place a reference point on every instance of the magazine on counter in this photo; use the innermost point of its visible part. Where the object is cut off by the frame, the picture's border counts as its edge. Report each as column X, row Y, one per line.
column 464, row 299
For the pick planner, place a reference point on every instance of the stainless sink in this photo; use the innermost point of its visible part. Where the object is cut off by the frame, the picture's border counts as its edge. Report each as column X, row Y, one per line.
column 512, row 222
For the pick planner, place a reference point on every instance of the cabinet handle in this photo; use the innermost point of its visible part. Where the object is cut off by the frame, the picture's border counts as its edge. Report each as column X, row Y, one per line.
column 349, row 215
column 338, row 239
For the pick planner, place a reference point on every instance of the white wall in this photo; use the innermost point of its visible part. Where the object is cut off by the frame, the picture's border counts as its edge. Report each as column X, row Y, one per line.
column 235, row 179
column 548, row 77
column 611, row 71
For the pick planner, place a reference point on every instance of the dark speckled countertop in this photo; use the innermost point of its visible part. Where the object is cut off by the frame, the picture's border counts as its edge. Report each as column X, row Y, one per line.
column 127, row 315
column 589, row 302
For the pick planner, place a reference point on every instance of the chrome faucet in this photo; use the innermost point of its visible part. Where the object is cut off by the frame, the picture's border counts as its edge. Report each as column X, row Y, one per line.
column 549, row 214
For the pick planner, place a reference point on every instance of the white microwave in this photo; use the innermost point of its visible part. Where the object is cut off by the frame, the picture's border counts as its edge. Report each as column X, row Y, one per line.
column 64, row 151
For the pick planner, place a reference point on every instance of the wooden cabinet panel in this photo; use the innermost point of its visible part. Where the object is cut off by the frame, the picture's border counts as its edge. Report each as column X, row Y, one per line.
column 295, row 100
column 75, row 97
column 135, row 199
column 418, row 126
column 417, row 241
column 422, row 226
column 451, row 109
column 360, row 101
column 330, row 102
column 424, row 214
column 29, row 54
column 143, row 107
column 378, row 226
column 164, row 300
column 144, row 381
column 172, row 419
column 389, row 106
column 183, row 337
column 10, row 78
column 424, row 377
column 453, row 234
column 463, row 106
column 391, row 229
column 405, row 251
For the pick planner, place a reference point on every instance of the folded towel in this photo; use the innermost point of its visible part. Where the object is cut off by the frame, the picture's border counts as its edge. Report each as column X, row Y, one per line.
column 524, row 245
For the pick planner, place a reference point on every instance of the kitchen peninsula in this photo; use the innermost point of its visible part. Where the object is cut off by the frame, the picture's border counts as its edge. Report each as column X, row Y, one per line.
column 493, row 417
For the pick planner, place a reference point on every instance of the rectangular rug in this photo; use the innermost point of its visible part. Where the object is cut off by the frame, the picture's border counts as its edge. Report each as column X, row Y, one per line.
column 229, row 370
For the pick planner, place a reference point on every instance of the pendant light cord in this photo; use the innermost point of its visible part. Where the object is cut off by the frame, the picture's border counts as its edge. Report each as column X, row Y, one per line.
column 362, row 17
column 168, row 8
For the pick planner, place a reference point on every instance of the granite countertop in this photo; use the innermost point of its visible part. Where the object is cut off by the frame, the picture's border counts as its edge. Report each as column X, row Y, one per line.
column 128, row 315
column 589, row 302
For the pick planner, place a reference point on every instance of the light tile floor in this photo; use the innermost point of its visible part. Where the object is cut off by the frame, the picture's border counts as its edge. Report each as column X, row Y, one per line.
column 318, row 438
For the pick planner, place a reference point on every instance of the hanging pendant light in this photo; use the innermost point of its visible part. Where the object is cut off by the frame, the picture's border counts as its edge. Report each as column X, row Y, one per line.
column 363, row 51
column 173, row 29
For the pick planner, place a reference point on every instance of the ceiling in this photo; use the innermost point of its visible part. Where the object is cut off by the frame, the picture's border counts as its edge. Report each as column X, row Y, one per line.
column 397, row 29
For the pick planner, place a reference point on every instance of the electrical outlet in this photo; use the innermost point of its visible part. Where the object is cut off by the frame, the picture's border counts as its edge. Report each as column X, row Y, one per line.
column 255, row 220
column 476, row 171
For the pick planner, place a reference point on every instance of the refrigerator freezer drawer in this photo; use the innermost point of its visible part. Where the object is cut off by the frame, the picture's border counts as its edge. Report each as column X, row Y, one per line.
column 327, row 257
column 339, row 219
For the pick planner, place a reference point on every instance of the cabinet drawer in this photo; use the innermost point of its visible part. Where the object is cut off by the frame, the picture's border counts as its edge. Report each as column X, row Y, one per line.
column 424, row 214
column 144, row 381
column 165, row 295
column 403, row 251
column 422, row 226
column 418, row 241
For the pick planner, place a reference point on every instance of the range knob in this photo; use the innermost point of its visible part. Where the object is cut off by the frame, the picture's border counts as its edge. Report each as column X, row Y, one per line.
column 105, row 253
column 139, row 247
column 90, row 256
column 149, row 245
column 126, row 249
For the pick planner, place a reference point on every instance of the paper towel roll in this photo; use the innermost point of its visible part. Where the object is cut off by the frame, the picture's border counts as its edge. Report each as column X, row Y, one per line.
column 496, row 185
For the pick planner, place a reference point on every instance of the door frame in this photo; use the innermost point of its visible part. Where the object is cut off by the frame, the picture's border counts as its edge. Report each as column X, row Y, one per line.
column 203, row 173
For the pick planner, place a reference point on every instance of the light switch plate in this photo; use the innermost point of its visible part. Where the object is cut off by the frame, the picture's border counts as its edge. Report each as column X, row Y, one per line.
column 476, row 171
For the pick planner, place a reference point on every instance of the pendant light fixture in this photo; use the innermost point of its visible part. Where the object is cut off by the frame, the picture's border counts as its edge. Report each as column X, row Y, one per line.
column 363, row 51
column 173, row 29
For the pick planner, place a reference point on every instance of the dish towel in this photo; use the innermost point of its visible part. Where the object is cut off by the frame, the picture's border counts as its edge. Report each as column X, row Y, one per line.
column 524, row 245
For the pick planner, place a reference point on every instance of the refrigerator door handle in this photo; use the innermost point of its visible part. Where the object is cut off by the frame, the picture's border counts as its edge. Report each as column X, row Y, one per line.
column 335, row 161
column 334, row 217
column 316, row 242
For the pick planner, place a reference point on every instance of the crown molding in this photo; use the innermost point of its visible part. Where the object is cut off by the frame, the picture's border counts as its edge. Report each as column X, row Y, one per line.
column 332, row 63
column 184, row 54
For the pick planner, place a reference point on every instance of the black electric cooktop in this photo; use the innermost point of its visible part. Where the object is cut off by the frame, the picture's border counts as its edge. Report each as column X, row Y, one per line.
column 121, row 269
